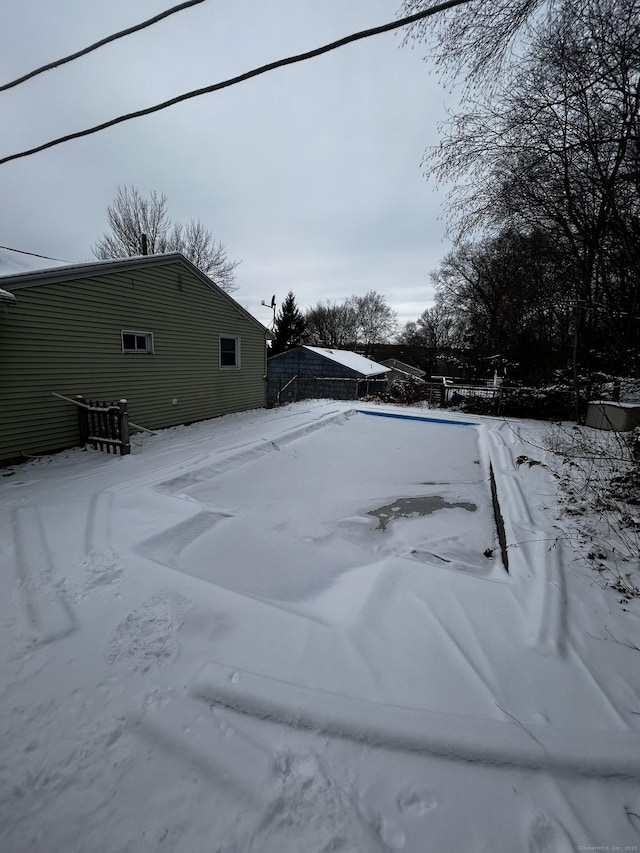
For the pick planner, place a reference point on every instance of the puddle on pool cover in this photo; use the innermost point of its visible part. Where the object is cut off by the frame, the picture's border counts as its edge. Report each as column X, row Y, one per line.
column 415, row 507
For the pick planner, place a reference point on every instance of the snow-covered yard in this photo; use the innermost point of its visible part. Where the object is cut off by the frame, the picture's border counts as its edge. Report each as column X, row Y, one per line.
column 292, row 630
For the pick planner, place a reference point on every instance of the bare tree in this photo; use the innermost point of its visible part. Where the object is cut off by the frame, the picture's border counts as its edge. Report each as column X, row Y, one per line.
column 209, row 255
column 376, row 321
column 131, row 215
column 331, row 324
column 359, row 320
column 477, row 39
column 551, row 150
column 499, row 300
column 436, row 329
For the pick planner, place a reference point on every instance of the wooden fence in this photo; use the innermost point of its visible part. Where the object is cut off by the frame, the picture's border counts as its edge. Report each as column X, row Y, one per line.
column 104, row 425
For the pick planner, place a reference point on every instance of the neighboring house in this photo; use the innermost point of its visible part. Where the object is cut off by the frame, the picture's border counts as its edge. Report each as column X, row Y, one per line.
column 401, row 370
column 153, row 330
column 306, row 372
column 411, row 354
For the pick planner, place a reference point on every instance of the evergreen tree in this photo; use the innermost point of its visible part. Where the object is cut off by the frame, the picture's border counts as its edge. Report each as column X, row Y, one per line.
column 289, row 326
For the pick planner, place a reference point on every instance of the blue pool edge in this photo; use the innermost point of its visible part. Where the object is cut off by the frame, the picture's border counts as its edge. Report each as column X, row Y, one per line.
column 415, row 418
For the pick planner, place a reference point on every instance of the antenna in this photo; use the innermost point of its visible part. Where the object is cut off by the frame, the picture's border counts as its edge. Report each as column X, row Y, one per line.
column 272, row 306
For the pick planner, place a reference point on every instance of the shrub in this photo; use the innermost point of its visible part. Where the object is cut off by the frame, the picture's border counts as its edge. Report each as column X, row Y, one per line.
column 406, row 392
column 553, row 403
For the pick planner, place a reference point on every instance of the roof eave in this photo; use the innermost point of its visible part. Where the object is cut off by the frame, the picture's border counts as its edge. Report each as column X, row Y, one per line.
column 93, row 269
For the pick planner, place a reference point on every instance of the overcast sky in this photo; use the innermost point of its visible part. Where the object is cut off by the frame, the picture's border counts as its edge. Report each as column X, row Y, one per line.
column 311, row 175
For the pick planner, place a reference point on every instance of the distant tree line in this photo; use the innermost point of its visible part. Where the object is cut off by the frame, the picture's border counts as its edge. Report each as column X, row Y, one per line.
column 544, row 158
column 357, row 323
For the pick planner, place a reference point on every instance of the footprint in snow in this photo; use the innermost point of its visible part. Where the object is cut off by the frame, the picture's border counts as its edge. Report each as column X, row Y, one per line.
column 102, row 568
column 416, row 801
column 147, row 638
column 305, row 800
column 547, row 835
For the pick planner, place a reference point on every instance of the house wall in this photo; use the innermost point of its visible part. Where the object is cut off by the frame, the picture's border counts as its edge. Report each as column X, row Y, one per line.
column 65, row 337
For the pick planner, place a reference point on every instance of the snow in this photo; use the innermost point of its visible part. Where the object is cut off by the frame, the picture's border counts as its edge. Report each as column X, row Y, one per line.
column 291, row 630
column 351, row 360
column 615, row 404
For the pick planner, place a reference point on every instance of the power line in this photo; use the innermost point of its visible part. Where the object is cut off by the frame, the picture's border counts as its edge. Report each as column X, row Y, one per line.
column 232, row 81
column 101, row 43
column 33, row 254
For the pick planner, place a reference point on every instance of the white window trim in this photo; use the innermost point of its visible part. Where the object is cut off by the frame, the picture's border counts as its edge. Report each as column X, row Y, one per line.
column 236, row 338
column 149, row 337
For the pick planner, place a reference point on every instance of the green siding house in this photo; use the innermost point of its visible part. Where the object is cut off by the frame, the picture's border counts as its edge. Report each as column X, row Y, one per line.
column 153, row 330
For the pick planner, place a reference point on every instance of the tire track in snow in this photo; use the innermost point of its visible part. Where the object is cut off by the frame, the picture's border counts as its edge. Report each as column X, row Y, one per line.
column 102, row 565
column 98, row 530
column 49, row 613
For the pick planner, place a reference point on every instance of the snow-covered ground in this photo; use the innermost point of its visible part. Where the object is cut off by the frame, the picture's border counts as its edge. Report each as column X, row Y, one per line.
column 292, row 630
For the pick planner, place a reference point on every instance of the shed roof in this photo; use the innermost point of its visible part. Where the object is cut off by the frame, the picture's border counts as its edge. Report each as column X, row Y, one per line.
column 403, row 366
column 68, row 272
column 403, row 376
column 352, row 360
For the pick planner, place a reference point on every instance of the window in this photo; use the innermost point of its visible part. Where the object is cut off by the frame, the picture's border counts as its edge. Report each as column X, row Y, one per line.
column 137, row 342
column 229, row 351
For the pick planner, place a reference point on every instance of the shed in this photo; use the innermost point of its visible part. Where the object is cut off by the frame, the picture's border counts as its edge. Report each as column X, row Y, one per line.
column 151, row 329
column 311, row 372
column 607, row 414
